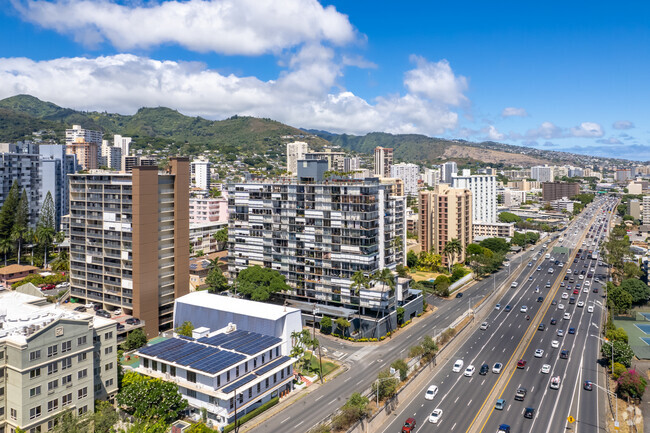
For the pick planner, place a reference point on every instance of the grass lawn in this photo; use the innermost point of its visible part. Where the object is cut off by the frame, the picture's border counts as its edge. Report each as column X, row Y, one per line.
column 424, row 276
column 313, row 366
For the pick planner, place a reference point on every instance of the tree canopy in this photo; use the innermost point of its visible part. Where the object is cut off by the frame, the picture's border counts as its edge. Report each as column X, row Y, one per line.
column 260, row 283
column 150, row 399
column 638, row 290
column 497, row 245
column 508, row 217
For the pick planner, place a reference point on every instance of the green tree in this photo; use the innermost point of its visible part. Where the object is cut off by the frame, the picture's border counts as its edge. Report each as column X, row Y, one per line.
column 150, row 399
column 631, row 270
column 360, row 281
column 216, row 281
column 411, row 259
column 61, row 262
column 355, row 409
column 442, row 285
column 386, row 384
column 619, row 300
column 473, row 249
column 8, row 211
column 21, row 224
column 402, row 271
column 135, row 340
column 617, row 334
column 5, row 247
column 497, row 245
column 452, row 249
column 623, row 353
column 45, row 231
column 342, row 325
column 200, row 427
column 508, row 217
column 69, row 422
column 221, row 236
column 185, row 329
column 631, row 384
column 519, row 239
column 260, row 283
column 639, row 290
column 105, row 417
column 326, row 325
column 400, row 315
column 401, row 366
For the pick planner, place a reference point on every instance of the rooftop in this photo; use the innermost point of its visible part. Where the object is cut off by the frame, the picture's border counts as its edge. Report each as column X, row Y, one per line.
column 236, row 305
column 14, row 269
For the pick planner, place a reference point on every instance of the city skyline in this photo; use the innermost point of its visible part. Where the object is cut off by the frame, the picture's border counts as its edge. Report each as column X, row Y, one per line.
column 518, row 75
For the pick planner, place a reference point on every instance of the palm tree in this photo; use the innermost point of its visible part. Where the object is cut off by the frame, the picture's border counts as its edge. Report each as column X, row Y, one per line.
column 30, row 236
column 386, row 278
column 18, row 235
column 5, row 247
column 359, row 281
column 452, row 248
column 61, row 262
column 45, row 235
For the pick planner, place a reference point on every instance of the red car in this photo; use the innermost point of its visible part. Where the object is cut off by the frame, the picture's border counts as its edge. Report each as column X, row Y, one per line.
column 48, row 287
column 521, row 364
column 576, row 291
column 409, row 426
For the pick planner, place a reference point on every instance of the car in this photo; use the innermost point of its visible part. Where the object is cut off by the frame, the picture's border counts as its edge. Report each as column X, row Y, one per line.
column 431, row 392
column 588, row 385
column 568, row 271
column 48, row 287
column 541, row 327
column 530, row 264
column 514, row 284
column 539, row 353
column 458, row 365
column 523, row 309
column 500, row 404
column 587, row 283
column 539, row 268
column 555, row 344
column 553, row 302
column 521, row 363
column 586, row 289
column 576, row 292
column 496, row 369
column 117, row 312
column 592, row 270
column 484, row 326
column 546, row 369
column 563, row 284
column 590, row 309
column 409, row 426
column 80, row 308
column 459, row 295
column 132, row 321
column 507, row 309
column 565, row 295
column 564, row 354
column 553, row 321
column 120, row 327
column 582, row 277
column 503, row 428
column 469, row 371
column 572, row 330
column 572, row 300
column 567, row 316
column 548, row 284
column 555, row 382
column 560, row 306
column 103, row 313
column 484, row 369
column 540, row 299
column 529, row 412
column 497, row 307
column 530, row 278
column 89, row 305
column 435, row 416
column 520, row 395
column 580, row 304
column 560, row 333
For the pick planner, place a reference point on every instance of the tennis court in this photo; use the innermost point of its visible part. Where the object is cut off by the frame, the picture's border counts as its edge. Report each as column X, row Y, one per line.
column 646, row 315
column 645, row 328
column 646, row 340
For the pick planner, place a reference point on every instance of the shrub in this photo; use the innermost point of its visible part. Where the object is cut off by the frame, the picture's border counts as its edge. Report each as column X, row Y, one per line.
column 326, row 325
column 618, row 370
column 400, row 365
column 631, row 384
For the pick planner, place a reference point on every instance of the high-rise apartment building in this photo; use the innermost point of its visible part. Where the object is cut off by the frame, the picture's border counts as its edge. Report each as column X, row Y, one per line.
column 447, row 170
column 208, row 210
column 445, row 214
column 56, row 165
column 200, row 172
column 484, row 194
column 111, row 156
column 351, row 164
column 317, row 234
column 645, row 212
column 86, row 153
column 129, row 240
column 542, row 173
column 20, row 162
column 556, row 190
column 409, row 174
column 335, row 160
column 383, row 161
column 78, row 134
column 53, row 360
column 123, row 143
column 295, row 151
column 431, row 176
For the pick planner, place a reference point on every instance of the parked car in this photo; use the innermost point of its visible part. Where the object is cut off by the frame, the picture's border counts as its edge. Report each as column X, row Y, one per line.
column 103, row 313
column 80, row 308
column 132, row 321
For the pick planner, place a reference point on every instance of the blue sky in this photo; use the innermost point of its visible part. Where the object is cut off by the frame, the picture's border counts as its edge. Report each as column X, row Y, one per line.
column 550, row 75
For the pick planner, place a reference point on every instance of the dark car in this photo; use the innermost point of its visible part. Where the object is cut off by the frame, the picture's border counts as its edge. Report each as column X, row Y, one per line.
column 409, row 426
column 553, row 322
column 572, row 300
column 553, row 302
column 529, row 412
column 120, row 327
column 459, row 295
column 541, row 327
column 507, row 309
column 588, row 385
column 484, row 369
column 564, row 354
column 97, row 307
column 504, row 428
column 572, row 330
column 80, row 308
column 103, row 313
column 540, row 299
column 521, row 363
column 132, row 321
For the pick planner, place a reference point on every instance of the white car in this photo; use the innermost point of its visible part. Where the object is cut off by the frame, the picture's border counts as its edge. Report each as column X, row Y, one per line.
column 484, row 326
column 435, row 416
column 586, row 289
column 581, row 304
column 593, row 269
column 568, row 271
column 497, row 307
column 469, row 371
column 523, row 309
column 431, row 392
column 458, row 365
column 117, row 312
column 560, row 306
column 497, row 368
column 590, row 309
column 89, row 305
column 567, row 316
column 555, row 344
column 555, row 382
column 582, row 277
column 561, row 264
column 565, row 295
column 546, row 369
column 560, row 333
column 539, row 353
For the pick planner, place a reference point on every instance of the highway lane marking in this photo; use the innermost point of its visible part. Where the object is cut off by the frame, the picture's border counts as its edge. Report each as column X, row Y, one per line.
column 331, row 402
column 456, row 401
column 298, row 425
column 470, row 402
column 483, row 382
column 319, row 398
column 285, row 420
column 358, row 383
column 349, row 377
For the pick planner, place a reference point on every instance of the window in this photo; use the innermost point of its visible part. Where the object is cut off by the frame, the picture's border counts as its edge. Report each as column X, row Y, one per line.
column 270, row 354
column 228, row 376
column 275, row 377
column 14, row 414
column 237, row 371
column 66, row 399
column 97, row 388
column 81, row 341
column 254, row 363
column 66, row 380
column 34, row 355
column 250, row 392
column 219, row 381
column 282, row 374
column 277, row 351
column 154, row 365
column 259, row 385
column 66, row 346
column 109, row 382
column 82, row 393
column 96, row 339
column 191, row 393
column 82, row 410
column 232, row 403
column 51, row 386
column 34, row 373
column 108, row 336
column 52, row 368
column 163, row 367
column 172, row 370
column 52, row 351
column 66, row 363
column 51, row 424
column 82, row 356
column 108, row 350
column 146, row 363
column 267, row 383
column 82, row 373
column 35, row 412
column 263, row 359
column 246, row 367
column 191, row 376
column 108, row 366
column 97, row 371
column 35, row 391
column 36, row 429
column 53, row 405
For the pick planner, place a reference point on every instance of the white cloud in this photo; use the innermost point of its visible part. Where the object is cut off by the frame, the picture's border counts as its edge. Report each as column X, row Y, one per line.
column 301, row 95
column 513, row 111
column 247, row 27
column 548, row 130
column 610, row 140
column 493, row 134
column 623, row 124
column 359, row 62
column 436, row 81
column 587, row 129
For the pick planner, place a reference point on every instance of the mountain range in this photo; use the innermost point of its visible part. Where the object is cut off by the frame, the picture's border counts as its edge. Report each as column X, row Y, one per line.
column 162, row 128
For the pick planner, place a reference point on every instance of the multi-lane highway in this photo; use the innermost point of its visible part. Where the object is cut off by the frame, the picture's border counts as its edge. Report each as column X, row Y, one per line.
column 467, row 402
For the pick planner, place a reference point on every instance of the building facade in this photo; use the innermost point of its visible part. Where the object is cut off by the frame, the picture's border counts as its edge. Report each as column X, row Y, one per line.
column 202, row 236
column 77, row 134
column 634, row 208
column 557, row 190
column 431, row 176
column 335, row 160
column 123, row 143
column 410, row 175
column 351, row 164
column 542, row 173
column 86, row 153
column 447, row 171
column 484, row 195
column 295, row 151
column 208, row 210
column 111, row 156
column 383, row 161
column 645, row 212
column 21, row 163
column 201, row 174
column 53, row 360
column 56, row 165
column 493, row 230
column 445, row 214
column 129, row 240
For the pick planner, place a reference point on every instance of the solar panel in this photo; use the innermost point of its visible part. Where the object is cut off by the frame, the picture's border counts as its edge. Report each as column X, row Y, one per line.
column 194, row 266
column 271, row 365
column 243, row 381
column 162, row 347
column 217, row 362
column 259, row 344
column 178, row 354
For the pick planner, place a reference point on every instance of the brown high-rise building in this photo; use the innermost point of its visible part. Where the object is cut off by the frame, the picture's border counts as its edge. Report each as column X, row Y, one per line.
column 556, row 190
column 86, row 153
column 129, row 241
column 445, row 214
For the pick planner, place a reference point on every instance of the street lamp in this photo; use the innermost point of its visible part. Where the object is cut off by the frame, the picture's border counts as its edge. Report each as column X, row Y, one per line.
column 377, row 381
column 613, row 394
column 611, row 344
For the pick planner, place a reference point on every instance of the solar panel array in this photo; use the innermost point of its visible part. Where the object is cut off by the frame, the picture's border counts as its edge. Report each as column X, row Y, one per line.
column 246, row 342
column 218, row 362
column 243, row 381
column 271, row 365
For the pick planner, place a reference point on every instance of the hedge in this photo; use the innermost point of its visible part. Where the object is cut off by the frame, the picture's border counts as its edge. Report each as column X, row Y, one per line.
column 269, row 404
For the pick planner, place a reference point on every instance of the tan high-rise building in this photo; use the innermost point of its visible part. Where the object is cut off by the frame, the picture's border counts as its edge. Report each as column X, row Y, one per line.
column 445, row 214
column 129, row 240
column 295, row 151
column 86, row 152
column 383, row 161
